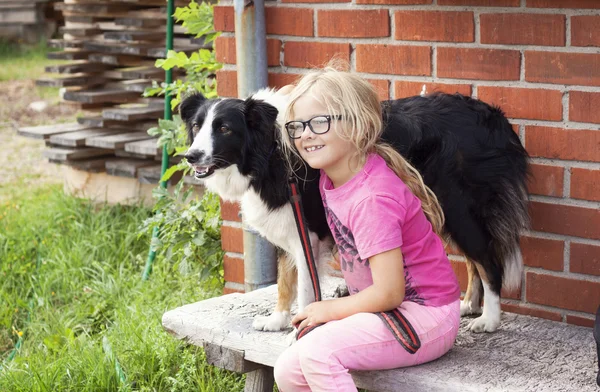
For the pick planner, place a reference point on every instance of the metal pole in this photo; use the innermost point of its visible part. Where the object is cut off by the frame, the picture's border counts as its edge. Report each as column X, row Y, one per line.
column 260, row 260
column 168, row 116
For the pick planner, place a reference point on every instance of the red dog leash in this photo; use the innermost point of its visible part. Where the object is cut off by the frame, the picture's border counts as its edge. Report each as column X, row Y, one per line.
column 394, row 320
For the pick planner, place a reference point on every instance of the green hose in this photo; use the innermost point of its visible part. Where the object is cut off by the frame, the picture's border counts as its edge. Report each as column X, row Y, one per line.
column 168, row 116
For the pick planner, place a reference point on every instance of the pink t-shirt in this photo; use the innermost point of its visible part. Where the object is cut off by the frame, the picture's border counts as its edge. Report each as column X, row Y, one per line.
column 375, row 212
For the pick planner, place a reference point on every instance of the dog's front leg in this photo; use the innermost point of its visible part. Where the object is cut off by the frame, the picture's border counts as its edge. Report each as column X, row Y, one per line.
column 286, row 293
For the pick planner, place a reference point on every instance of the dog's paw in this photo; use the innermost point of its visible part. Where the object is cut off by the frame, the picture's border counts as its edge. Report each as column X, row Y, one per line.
column 485, row 324
column 341, row 291
column 467, row 308
column 275, row 322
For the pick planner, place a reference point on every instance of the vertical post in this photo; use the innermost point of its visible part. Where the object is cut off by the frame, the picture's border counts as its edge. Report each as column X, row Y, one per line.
column 168, row 116
column 260, row 261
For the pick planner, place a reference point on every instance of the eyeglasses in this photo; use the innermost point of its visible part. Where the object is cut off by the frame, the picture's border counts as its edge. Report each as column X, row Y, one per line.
column 318, row 125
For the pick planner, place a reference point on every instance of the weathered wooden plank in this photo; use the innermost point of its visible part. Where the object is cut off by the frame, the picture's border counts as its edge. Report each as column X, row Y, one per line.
column 126, row 167
column 132, row 113
column 69, row 55
column 143, row 72
column 78, row 138
column 45, row 131
column 261, row 380
column 76, row 67
column 90, row 165
column 118, row 59
column 149, row 174
column 80, row 31
column 65, row 44
column 92, row 9
column 524, row 354
column 140, row 23
column 227, row 358
column 68, row 154
column 137, row 85
column 111, row 47
column 101, row 96
column 126, row 36
column 71, row 81
column 144, row 147
column 116, row 141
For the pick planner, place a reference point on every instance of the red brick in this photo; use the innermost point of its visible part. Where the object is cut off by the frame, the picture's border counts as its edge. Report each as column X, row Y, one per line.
column 583, row 106
column 313, row 54
column 478, row 64
column 564, row 293
column 523, row 29
column 382, row 87
column 399, row 60
column 566, row 220
column 568, row 144
column 227, row 83
column 563, row 68
column 289, row 21
column 448, row 26
column 529, row 311
column 546, row 180
column 225, row 50
column 404, row 89
column 394, row 2
column 535, row 104
column 585, row 184
column 543, row 253
column 515, row 294
column 233, row 269
column 585, row 259
column 353, row 23
column 232, row 239
column 230, row 211
column 584, row 30
column 482, row 3
column 581, row 321
column 460, row 269
column 563, row 3
column 224, row 18
column 316, row 1
column 279, row 80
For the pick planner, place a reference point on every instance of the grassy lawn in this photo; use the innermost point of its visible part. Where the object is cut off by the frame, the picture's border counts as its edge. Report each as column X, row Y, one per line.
column 71, row 291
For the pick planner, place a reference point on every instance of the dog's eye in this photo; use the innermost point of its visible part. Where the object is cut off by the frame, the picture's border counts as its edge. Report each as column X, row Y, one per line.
column 225, row 129
column 195, row 128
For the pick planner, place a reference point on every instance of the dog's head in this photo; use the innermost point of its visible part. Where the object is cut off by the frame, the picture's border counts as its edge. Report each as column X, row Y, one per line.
column 225, row 132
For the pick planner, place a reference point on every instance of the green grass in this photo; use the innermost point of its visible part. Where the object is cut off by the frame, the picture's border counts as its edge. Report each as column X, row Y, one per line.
column 23, row 61
column 70, row 276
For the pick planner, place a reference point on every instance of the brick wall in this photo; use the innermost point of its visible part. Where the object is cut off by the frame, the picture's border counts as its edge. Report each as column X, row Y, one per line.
column 537, row 59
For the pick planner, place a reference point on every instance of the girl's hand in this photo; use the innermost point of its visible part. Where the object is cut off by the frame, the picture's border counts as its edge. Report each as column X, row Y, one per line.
column 314, row 314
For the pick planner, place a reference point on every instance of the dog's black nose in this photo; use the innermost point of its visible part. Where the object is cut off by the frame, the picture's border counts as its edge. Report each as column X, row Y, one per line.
column 194, row 156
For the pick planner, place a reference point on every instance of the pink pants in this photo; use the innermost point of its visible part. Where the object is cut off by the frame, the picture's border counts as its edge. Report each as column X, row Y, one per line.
column 320, row 361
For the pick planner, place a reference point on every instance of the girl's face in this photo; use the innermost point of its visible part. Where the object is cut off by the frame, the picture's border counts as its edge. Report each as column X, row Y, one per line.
column 327, row 150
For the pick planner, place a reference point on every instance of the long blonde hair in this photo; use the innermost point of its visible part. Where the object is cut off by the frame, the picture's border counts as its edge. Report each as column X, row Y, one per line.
column 355, row 99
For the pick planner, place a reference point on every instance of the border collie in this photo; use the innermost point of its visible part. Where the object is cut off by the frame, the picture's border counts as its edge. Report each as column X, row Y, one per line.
column 465, row 150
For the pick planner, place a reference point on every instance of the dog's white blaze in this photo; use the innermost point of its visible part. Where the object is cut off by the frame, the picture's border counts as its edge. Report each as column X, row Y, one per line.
column 203, row 141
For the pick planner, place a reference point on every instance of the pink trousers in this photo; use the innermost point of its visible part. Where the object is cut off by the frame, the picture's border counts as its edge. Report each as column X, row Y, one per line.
column 321, row 360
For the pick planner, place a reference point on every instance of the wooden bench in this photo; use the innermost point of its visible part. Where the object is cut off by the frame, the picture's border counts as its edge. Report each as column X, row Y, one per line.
column 525, row 354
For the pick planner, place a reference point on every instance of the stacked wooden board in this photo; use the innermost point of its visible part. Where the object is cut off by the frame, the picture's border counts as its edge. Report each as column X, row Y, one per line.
column 26, row 20
column 110, row 47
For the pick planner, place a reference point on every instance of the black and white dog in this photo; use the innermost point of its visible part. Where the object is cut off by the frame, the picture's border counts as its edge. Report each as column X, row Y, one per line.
column 465, row 150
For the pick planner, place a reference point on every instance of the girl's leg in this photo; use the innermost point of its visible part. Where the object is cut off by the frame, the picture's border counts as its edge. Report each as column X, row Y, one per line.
column 320, row 361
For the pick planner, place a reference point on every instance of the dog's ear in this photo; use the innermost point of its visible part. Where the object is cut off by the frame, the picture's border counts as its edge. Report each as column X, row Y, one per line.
column 189, row 106
column 259, row 114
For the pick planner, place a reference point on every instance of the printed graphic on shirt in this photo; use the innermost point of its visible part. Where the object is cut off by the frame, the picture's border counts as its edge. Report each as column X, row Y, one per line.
column 350, row 261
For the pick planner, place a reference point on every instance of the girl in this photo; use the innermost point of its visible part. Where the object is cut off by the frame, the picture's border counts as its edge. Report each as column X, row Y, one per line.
column 384, row 221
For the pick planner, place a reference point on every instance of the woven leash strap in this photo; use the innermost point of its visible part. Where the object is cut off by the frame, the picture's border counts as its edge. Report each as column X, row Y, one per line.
column 394, row 320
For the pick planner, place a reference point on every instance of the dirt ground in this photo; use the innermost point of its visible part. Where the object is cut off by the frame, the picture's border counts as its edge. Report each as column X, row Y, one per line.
column 21, row 160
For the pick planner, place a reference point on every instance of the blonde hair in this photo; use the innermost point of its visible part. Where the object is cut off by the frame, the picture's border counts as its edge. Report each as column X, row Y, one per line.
column 355, row 99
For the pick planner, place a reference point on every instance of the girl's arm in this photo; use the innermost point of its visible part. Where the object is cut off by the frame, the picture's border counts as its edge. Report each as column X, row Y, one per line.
column 386, row 293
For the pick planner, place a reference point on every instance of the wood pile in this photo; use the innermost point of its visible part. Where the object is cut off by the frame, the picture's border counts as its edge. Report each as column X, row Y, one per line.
column 111, row 47
column 26, row 20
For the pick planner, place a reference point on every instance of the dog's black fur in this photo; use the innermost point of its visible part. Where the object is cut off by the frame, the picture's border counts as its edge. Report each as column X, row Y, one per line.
column 474, row 162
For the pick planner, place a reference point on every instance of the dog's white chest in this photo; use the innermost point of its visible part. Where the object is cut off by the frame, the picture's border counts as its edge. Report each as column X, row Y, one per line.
column 277, row 226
